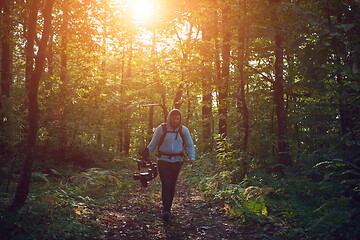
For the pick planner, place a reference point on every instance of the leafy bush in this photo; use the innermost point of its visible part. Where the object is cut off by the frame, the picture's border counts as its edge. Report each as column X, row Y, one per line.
column 240, row 200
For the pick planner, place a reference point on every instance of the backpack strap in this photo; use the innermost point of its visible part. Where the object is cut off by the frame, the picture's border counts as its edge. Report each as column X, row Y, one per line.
column 164, row 127
column 181, row 134
column 183, row 138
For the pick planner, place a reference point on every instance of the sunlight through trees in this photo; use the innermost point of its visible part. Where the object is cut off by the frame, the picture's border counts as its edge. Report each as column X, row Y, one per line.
column 266, row 87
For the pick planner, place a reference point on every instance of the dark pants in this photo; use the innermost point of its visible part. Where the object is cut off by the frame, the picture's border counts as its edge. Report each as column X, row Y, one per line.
column 169, row 173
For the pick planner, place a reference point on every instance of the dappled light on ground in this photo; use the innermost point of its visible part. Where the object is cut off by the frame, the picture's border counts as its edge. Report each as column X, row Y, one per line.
column 139, row 217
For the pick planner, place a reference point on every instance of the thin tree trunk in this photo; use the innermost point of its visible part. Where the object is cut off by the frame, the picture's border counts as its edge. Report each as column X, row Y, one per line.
column 127, row 125
column 124, row 123
column 243, row 128
column 283, row 146
column 189, row 114
column 121, row 107
column 30, row 38
column 23, row 186
column 127, row 133
column 225, row 71
column 273, row 132
column 206, row 109
column 33, row 81
column 63, row 87
column 217, row 59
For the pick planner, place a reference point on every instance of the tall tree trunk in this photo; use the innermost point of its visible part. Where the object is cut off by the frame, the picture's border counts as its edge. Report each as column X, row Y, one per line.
column 64, row 86
column 121, row 128
column 206, row 108
column 23, row 186
column 33, row 81
column 217, row 62
column 243, row 128
column 121, row 106
column 127, row 123
column 225, row 70
column 283, row 146
column 127, row 136
column 124, row 136
column 34, row 6
column 6, row 58
column 346, row 116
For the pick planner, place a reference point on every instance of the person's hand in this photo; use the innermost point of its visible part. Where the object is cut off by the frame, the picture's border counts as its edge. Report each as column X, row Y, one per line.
column 192, row 163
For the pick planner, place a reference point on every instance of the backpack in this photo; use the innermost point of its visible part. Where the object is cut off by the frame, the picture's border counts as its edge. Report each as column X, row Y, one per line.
column 162, row 138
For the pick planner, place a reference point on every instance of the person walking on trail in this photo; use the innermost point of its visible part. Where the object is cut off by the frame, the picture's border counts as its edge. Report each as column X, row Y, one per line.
column 171, row 138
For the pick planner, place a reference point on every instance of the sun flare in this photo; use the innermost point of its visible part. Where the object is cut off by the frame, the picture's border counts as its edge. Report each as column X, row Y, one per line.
column 142, row 10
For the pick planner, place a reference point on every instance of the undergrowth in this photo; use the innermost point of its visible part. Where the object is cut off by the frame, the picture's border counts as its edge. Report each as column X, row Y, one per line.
column 302, row 203
column 64, row 204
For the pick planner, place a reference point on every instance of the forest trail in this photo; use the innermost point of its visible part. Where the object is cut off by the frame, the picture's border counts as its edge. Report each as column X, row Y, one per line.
column 139, row 217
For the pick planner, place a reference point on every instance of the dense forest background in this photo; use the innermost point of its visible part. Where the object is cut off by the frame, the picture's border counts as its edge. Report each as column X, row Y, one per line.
column 268, row 88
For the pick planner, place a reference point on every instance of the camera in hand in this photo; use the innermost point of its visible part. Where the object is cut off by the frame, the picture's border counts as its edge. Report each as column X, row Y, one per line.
column 144, row 162
column 145, row 177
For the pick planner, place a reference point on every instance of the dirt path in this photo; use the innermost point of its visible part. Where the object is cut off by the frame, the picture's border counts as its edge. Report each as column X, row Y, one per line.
column 139, row 217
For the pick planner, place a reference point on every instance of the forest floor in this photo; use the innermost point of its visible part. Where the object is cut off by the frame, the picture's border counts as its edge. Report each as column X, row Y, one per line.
column 139, row 217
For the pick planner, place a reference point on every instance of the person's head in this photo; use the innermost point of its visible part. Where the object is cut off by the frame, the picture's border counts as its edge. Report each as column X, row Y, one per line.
column 175, row 118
